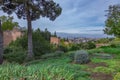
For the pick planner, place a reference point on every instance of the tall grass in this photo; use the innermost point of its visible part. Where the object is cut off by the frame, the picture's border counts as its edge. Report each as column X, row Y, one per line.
column 51, row 69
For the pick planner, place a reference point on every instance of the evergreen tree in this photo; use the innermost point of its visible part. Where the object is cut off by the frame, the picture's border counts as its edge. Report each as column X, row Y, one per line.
column 31, row 10
column 113, row 21
column 55, row 34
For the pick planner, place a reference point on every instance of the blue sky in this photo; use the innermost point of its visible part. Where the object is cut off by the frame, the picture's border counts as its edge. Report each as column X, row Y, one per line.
column 78, row 16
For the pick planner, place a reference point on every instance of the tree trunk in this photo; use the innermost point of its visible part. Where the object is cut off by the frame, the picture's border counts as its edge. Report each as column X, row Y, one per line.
column 1, row 44
column 30, row 55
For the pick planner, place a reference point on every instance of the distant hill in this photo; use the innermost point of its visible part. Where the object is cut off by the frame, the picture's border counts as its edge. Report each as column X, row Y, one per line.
column 76, row 35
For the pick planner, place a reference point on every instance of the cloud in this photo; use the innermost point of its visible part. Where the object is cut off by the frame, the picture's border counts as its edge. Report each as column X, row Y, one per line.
column 79, row 16
column 83, row 13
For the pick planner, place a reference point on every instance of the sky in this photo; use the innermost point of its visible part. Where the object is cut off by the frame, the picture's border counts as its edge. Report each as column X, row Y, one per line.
column 78, row 16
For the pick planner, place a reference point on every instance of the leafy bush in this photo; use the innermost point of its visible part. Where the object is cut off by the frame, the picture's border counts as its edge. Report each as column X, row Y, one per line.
column 91, row 45
column 113, row 45
column 81, row 57
column 62, row 48
column 8, row 50
column 74, row 47
column 87, row 45
column 71, row 56
column 117, row 76
column 40, row 45
column 15, row 54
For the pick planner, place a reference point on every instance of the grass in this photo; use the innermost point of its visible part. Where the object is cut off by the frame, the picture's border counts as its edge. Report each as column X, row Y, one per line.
column 61, row 68
column 112, row 68
column 113, row 51
column 105, row 50
column 51, row 69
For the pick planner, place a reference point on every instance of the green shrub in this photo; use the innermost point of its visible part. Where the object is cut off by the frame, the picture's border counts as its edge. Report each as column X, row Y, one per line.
column 17, row 55
column 62, row 48
column 8, row 50
column 117, row 76
column 81, row 57
column 71, row 56
column 113, row 45
column 40, row 45
column 74, row 47
column 90, row 45
column 87, row 45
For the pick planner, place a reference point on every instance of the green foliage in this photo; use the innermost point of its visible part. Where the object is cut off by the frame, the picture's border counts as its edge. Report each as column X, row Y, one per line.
column 40, row 45
column 87, row 45
column 14, row 54
column 45, row 34
column 113, row 20
column 71, row 56
column 51, row 69
column 31, row 10
column 102, row 56
column 115, row 43
column 112, row 65
column 104, row 40
column 52, row 55
column 62, row 48
column 74, row 47
column 81, row 57
column 20, row 42
column 34, row 9
column 104, row 70
column 59, row 52
column 106, row 50
column 7, row 23
column 117, row 76
column 91, row 45
column 8, row 50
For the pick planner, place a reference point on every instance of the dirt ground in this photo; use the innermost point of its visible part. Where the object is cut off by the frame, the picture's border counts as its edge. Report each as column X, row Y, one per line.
column 97, row 75
column 94, row 65
column 101, row 76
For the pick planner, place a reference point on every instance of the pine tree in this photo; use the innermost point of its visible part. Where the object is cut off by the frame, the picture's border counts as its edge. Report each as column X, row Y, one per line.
column 31, row 10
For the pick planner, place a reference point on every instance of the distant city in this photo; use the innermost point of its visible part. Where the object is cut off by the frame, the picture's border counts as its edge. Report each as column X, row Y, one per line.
column 77, row 35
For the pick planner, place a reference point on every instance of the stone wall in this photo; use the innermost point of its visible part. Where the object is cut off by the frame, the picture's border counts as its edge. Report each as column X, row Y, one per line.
column 54, row 40
column 11, row 35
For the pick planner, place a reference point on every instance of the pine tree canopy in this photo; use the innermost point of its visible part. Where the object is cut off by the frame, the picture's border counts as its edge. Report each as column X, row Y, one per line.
column 36, row 8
